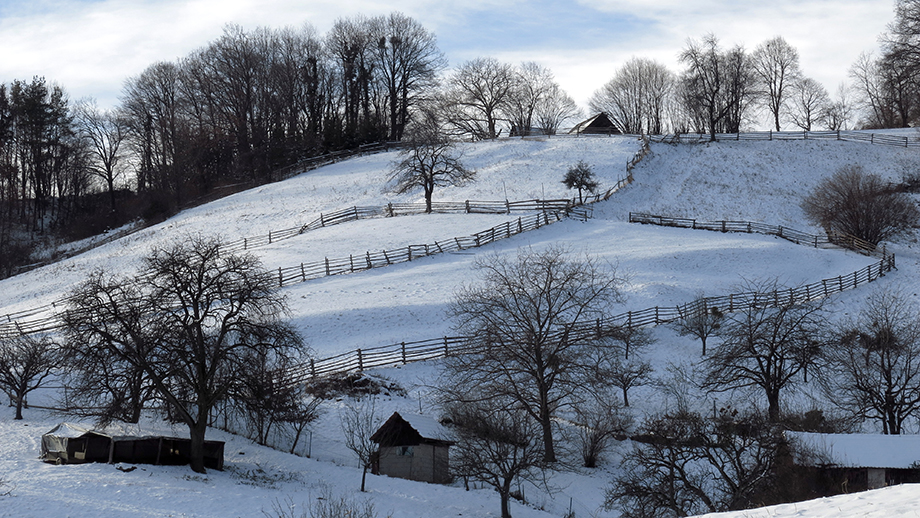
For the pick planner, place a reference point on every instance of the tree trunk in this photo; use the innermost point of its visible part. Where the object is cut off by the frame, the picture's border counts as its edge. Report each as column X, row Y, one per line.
column 363, row 477
column 625, row 396
column 549, row 450
column 18, row 408
column 196, row 448
column 506, row 497
column 773, row 406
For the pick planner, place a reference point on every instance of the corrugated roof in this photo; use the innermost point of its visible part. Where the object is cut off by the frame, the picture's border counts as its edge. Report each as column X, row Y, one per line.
column 861, row 450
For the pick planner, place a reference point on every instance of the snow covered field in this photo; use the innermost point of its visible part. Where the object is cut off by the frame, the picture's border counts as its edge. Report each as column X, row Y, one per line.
column 756, row 181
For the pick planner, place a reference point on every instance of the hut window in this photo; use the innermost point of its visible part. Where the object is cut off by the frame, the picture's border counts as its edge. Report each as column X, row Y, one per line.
column 405, row 451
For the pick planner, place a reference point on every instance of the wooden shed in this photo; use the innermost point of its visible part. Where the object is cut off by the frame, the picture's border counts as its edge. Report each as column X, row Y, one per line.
column 69, row 443
column 413, row 447
column 857, row 462
column 599, row 124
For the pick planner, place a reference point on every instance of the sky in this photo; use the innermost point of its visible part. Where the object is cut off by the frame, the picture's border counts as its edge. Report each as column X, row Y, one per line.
column 91, row 47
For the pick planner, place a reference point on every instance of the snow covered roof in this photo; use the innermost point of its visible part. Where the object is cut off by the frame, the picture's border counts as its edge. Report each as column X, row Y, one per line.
column 428, row 427
column 70, row 430
column 861, row 450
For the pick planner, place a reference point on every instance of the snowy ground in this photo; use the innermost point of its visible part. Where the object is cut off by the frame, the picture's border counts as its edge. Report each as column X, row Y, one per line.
column 758, row 181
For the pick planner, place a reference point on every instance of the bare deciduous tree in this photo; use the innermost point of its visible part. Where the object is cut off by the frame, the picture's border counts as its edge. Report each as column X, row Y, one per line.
column 527, row 319
column 599, row 420
column 26, row 362
column 429, row 160
column 839, row 112
column 699, row 319
column 765, row 347
column 860, row 204
column 359, row 421
column 809, row 103
column 776, row 66
column 555, row 109
column 190, row 320
column 873, row 369
column 637, row 98
column 716, row 87
column 497, row 446
column 477, row 97
column 106, row 131
column 693, row 465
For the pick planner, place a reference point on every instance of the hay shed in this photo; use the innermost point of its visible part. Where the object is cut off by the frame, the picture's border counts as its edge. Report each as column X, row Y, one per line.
column 413, row 447
column 860, row 461
column 599, row 124
column 69, row 443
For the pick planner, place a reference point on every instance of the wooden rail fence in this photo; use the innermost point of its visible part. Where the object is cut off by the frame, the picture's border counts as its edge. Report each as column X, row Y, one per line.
column 435, row 348
column 851, row 136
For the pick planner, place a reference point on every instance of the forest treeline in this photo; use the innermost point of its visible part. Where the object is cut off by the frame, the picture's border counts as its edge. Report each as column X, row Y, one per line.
column 234, row 112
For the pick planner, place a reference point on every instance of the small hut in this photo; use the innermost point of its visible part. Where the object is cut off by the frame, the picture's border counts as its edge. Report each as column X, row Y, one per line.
column 599, row 124
column 859, row 461
column 413, row 447
column 69, row 443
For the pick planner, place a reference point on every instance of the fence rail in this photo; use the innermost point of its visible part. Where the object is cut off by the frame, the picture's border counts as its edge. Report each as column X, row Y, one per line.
column 851, row 136
column 435, row 348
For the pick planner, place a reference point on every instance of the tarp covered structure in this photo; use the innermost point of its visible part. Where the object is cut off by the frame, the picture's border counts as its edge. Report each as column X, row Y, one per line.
column 69, row 443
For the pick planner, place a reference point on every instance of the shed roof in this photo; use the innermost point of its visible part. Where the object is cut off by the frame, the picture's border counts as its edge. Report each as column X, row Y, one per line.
column 426, row 428
column 861, row 450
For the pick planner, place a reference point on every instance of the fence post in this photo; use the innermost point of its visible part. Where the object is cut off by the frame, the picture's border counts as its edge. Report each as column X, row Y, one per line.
column 520, row 226
column 360, row 361
column 597, row 327
column 327, row 266
column 731, row 301
column 245, row 244
column 303, row 273
column 387, row 257
column 467, row 206
column 824, row 282
column 280, row 278
column 269, row 237
column 313, row 368
column 390, row 210
column 351, row 261
column 403, row 344
column 446, row 348
column 409, row 248
column 369, row 265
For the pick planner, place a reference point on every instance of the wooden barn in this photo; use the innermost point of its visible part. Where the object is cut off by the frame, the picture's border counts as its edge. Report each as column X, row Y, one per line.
column 600, row 124
column 413, row 447
column 857, row 462
column 69, row 443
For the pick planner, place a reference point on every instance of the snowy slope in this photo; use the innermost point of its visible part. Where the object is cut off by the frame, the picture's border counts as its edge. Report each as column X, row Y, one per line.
column 760, row 181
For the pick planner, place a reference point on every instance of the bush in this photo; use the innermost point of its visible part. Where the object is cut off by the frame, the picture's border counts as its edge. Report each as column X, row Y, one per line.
column 860, row 204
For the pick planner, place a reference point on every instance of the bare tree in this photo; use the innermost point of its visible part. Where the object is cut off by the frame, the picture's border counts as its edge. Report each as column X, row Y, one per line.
column 359, row 421
column 105, row 130
column 581, row 177
column 637, row 97
column 620, row 362
column 776, row 66
column 692, row 464
column 477, row 97
column 531, row 326
column 429, row 160
column 598, row 421
column 839, row 112
column 409, row 60
column 555, row 109
column 699, row 319
column 190, row 320
column 873, row 369
column 765, row 347
column 497, row 445
column 716, row 86
column 26, row 363
column 809, row 103
column 860, row 204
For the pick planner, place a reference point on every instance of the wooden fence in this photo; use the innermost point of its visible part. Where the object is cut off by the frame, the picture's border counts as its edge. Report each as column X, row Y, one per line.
column 852, row 136
column 434, row 348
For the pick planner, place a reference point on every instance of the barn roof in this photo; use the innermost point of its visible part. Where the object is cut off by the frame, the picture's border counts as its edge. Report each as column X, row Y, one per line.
column 599, row 123
column 860, row 450
column 411, row 428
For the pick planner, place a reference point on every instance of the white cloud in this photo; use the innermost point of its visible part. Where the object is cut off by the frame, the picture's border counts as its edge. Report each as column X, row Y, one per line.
column 92, row 46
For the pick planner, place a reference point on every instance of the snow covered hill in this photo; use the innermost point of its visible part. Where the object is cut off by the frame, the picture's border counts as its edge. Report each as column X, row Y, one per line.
column 756, row 181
